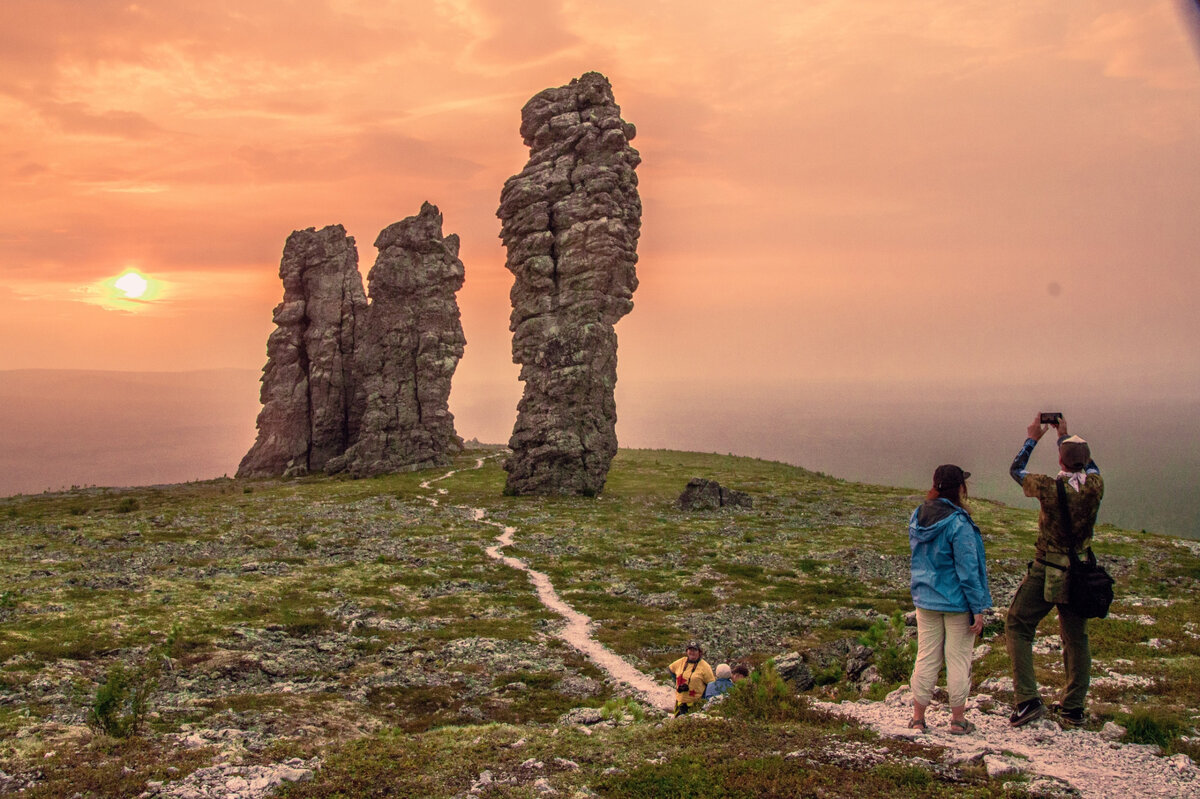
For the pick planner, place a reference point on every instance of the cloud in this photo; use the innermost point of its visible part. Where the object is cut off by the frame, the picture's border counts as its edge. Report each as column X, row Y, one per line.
column 519, row 36
column 76, row 117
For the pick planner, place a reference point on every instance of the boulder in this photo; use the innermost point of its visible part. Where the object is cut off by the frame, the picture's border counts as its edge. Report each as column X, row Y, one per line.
column 701, row 494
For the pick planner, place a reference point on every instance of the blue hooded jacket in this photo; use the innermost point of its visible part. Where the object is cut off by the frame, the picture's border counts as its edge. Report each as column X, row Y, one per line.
column 949, row 573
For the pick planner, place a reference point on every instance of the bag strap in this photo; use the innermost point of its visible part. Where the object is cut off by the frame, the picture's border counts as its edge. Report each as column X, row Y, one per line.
column 1064, row 515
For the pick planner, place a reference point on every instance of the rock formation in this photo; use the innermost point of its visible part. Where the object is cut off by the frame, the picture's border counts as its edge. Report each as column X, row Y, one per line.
column 701, row 494
column 354, row 387
column 409, row 347
column 308, row 384
column 570, row 222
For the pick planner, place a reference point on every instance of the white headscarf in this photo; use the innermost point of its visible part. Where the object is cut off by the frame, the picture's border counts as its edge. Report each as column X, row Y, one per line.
column 1074, row 479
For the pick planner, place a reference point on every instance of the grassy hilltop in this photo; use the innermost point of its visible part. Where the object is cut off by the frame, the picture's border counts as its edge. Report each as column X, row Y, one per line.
column 354, row 621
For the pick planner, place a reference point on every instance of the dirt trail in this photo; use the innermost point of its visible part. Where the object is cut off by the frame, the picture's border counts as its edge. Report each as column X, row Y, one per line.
column 1090, row 762
column 578, row 630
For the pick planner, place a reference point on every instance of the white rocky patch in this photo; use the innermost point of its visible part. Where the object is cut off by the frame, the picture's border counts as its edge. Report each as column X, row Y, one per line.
column 1091, row 763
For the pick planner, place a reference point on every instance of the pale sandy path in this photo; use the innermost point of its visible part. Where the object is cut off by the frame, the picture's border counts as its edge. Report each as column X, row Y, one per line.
column 1098, row 768
column 579, row 628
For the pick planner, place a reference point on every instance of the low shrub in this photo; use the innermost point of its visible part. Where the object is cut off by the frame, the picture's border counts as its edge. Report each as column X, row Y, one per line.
column 895, row 653
column 764, row 696
column 623, row 709
column 121, row 702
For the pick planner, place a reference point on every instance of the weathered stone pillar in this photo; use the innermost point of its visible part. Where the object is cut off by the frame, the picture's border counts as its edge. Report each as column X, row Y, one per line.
column 308, row 386
column 410, row 346
column 570, row 222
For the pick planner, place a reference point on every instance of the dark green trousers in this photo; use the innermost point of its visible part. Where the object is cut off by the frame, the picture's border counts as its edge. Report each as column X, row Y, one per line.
column 1029, row 606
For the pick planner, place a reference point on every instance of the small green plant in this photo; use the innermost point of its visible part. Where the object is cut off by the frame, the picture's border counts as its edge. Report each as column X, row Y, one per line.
column 894, row 653
column 120, row 704
column 175, row 643
column 764, row 696
column 623, row 709
column 1148, row 728
column 7, row 600
column 128, row 505
column 828, row 675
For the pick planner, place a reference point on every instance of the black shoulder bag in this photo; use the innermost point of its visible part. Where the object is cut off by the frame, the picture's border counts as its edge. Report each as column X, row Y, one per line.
column 1089, row 586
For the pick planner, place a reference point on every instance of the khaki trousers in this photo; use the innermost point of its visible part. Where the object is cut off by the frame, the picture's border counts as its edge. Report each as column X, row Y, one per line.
column 942, row 637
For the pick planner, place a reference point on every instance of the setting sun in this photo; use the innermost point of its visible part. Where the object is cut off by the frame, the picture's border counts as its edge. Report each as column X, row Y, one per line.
column 132, row 284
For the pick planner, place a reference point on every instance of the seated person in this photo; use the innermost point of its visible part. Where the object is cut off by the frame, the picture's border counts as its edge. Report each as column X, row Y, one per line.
column 720, row 685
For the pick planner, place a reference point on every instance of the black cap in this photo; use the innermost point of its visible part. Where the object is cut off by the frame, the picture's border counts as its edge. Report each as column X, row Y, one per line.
column 694, row 645
column 948, row 476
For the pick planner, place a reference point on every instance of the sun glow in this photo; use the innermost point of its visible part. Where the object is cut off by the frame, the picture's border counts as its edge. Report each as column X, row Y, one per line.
column 132, row 285
column 131, row 291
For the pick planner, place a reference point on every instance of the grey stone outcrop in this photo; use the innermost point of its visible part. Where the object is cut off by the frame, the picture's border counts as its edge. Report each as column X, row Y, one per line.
column 570, row 221
column 701, row 494
column 411, row 343
column 358, row 387
column 308, row 384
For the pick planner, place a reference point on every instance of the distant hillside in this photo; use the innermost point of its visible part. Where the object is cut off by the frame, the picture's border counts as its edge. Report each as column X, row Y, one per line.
column 62, row 428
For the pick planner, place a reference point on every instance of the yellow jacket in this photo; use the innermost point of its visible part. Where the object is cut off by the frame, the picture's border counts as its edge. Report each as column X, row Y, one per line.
column 698, row 675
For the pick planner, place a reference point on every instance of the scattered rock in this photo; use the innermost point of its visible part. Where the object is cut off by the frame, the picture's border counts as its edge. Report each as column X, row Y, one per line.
column 1112, row 731
column 570, row 221
column 998, row 766
column 701, row 494
column 792, row 668
column 581, row 715
column 231, row 780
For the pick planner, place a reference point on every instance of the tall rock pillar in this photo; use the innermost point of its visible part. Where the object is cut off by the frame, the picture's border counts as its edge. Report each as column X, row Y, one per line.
column 409, row 348
column 308, row 385
column 570, row 222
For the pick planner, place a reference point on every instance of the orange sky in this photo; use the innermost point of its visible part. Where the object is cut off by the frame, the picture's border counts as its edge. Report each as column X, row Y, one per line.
column 831, row 189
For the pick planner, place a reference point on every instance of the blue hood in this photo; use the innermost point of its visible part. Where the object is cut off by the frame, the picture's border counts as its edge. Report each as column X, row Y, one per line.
column 949, row 571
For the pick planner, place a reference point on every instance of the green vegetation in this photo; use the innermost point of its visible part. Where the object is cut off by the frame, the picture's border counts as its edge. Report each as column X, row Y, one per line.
column 352, row 619
column 120, row 705
column 894, row 653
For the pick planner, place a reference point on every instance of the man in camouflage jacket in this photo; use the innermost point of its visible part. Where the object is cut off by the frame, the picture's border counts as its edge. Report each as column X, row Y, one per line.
column 1045, row 585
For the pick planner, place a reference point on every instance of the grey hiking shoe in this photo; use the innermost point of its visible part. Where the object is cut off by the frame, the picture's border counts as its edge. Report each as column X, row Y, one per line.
column 1026, row 712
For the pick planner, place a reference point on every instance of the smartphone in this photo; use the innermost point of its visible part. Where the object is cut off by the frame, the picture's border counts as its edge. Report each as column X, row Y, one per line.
column 1050, row 417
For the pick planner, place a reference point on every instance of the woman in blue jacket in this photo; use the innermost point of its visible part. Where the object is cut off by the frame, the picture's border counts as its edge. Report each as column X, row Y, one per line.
column 950, row 590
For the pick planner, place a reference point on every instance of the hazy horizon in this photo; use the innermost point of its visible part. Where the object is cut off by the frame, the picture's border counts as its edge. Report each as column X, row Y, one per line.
column 87, row 427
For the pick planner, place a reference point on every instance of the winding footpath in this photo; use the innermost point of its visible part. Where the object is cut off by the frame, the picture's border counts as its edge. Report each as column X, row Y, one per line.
column 1089, row 763
column 578, row 631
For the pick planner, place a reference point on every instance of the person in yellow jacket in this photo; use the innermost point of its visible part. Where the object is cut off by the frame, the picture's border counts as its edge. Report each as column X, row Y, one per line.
column 692, row 674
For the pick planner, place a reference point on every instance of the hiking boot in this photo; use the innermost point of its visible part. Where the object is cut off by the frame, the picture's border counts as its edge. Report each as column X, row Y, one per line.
column 1071, row 717
column 1026, row 712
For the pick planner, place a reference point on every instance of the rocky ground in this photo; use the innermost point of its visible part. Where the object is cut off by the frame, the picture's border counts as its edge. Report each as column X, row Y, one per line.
column 300, row 633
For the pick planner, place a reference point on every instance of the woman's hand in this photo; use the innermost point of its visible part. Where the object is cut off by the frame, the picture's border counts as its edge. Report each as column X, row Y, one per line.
column 977, row 627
